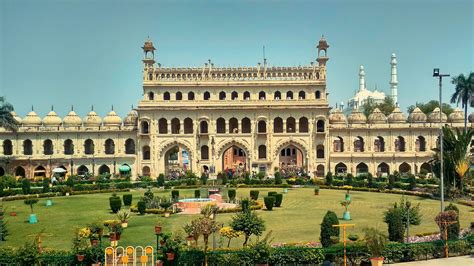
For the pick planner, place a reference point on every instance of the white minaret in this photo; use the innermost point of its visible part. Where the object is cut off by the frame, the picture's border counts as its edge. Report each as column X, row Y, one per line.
column 361, row 78
column 393, row 80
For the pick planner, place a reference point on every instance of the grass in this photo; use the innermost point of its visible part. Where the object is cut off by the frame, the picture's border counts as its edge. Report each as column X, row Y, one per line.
column 298, row 220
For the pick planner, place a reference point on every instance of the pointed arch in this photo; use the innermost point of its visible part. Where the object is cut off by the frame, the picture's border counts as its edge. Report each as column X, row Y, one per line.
column 206, row 96
column 82, row 170
column 404, row 168
column 48, row 147
column 7, row 147
column 278, row 125
column 340, row 168
column 166, row 96
column 130, row 146
column 246, row 95
column 303, row 125
column 109, row 146
column 362, row 168
column 27, row 147
column 179, row 96
column 234, row 95
column 68, row 147
column 383, row 169
column 89, row 146
column 246, row 125
column 277, row 95
column 104, row 169
column 20, row 172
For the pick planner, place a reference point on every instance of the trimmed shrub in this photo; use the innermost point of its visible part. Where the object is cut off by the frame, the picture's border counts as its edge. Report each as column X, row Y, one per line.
column 204, row 178
column 254, row 194
column 327, row 231
column 231, row 194
column 175, row 195
column 278, row 179
column 394, row 220
column 141, row 205
column 26, row 186
column 115, row 203
column 245, row 204
column 160, row 181
column 272, row 193
column 127, row 199
column 278, row 199
column 197, row 193
column 391, row 181
column 269, row 202
column 453, row 229
column 329, row 178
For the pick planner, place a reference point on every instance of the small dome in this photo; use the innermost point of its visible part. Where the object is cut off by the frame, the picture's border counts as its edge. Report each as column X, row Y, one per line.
column 377, row 117
column 337, row 117
column 131, row 119
column 417, row 116
column 16, row 117
column 357, row 117
column 112, row 119
column 52, row 119
column 457, row 116
column 471, row 118
column 434, row 116
column 92, row 120
column 72, row 120
column 397, row 116
column 32, row 119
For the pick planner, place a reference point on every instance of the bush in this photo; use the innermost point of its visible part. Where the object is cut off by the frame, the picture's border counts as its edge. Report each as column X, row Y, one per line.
column 204, row 178
column 175, row 195
column 127, row 199
column 412, row 182
column 329, row 178
column 453, row 229
column 391, row 181
column 26, row 186
column 327, row 229
column 160, row 181
column 272, row 193
column 269, row 202
column 394, row 220
column 46, row 188
column 141, row 205
column 353, row 237
column 370, row 180
column 197, row 193
column 254, row 194
column 278, row 179
column 231, row 193
column 245, row 205
column 115, row 203
column 278, row 199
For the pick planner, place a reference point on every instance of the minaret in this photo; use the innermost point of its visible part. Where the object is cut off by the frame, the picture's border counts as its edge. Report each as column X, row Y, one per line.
column 148, row 53
column 361, row 78
column 393, row 80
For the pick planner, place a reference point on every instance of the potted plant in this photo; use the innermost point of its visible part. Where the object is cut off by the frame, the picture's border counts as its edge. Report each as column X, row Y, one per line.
column 316, row 190
column 79, row 244
column 375, row 242
column 32, row 202
column 165, row 204
column 348, row 193
column 171, row 246
column 123, row 216
column 158, row 227
column 347, row 215
column 97, row 230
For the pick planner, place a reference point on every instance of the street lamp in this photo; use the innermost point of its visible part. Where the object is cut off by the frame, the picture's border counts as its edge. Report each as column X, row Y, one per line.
column 440, row 76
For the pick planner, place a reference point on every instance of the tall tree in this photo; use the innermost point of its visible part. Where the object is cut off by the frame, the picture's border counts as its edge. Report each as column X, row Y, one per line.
column 386, row 107
column 428, row 107
column 463, row 90
column 7, row 120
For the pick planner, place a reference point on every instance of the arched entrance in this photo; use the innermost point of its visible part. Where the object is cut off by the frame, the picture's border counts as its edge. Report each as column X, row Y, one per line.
column 383, row 169
column 20, row 172
column 82, row 170
column 320, row 171
column 104, row 169
column 40, row 171
column 234, row 160
column 291, row 160
column 2, row 171
column 146, row 171
column 177, row 161
column 404, row 168
column 425, row 169
column 340, row 169
column 362, row 168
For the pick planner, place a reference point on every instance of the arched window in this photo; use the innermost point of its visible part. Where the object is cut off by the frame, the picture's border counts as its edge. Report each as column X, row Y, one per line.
column 204, row 152
column 166, row 96
column 246, row 95
column 338, row 145
column 190, row 96
column 104, row 169
column 151, row 96
column 320, row 171
column 220, row 125
column 82, row 170
column 20, row 172
column 400, row 144
column 359, row 144
column 278, row 125
column 234, row 95
column 262, row 152
column 109, row 146
column 262, row 126
column 188, row 126
column 207, row 96
column 203, row 127
column 179, row 96
column 246, row 127
column 221, row 95
column 175, row 126
column 39, row 171
column 318, row 95
column 404, row 168
column 277, row 95
column 420, row 144
column 89, row 146
column 290, row 125
column 340, row 168
column 379, row 144
column 362, row 168
column 261, row 95
column 320, row 151
column 68, row 147
column 129, row 146
column 162, row 126
column 320, row 126
column 233, row 125
column 145, row 129
column 289, row 95
column 301, row 95
column 146, row 152
column 146, row 171
column 47, row 147
column 7, row 147
column 27, row 147
column 382, row 169
column 303, row 125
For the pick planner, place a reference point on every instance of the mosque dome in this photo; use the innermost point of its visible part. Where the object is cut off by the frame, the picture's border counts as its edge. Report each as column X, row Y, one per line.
column 92, row 120
column 357, row 117
column 457, row 116
column 417, row 116
column 16, row 117
column 72, row 120
column 434, row 116
column 471, row 118
column 52, row 119
column 337, row 117
column 112, row 119
column 377, row 117
column 32, row 119
column 397, row 116
column 131, row 119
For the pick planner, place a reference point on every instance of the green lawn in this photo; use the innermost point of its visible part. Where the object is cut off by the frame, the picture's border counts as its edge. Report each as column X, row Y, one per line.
column 297, row 220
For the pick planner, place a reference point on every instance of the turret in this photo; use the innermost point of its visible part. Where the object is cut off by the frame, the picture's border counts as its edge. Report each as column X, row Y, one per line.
column 361, row 78
column 322, row 47
column 394, row 80
column 148, row 53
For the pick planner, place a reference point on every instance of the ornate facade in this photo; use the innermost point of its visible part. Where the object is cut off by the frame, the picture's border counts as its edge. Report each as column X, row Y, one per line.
column 212, row 119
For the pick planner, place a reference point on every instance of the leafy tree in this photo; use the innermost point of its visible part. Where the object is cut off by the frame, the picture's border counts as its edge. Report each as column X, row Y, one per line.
column 453, row 229
column 7, row 120
column 386, row 107
column 463, row 90
column 26, row 186
column 393, row 219
column 3, row 226
column 327, row 229
column 31, row 202
column 428, row 107
column 249, row 223
column 329, row 178
column 160, row 181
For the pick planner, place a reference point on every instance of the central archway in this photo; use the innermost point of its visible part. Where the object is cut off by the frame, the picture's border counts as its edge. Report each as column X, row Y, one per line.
column 291, row 160
column 235, row 160
column 177, row 161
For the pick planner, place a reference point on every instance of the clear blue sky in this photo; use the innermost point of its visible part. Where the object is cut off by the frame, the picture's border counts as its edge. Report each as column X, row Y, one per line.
column 86, row 52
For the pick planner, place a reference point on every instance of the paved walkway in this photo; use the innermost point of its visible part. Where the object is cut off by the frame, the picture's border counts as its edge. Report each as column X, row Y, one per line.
column 454, row 261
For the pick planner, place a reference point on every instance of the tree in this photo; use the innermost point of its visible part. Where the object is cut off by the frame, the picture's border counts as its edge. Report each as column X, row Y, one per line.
column 249, row 223
column 3, row 226
column 327, row 229
column 453, row 229
column 393, row 219
column 329, row 179
column 428, row 107
column 7, row 120
column 386, row 107
column 463, row 90
column 207, row 226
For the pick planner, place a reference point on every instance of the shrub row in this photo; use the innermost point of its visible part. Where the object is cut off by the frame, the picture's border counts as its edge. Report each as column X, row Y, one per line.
column 57, row 194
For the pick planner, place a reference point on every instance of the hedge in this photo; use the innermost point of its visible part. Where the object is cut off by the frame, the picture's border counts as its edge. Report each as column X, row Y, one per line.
column 57, row 194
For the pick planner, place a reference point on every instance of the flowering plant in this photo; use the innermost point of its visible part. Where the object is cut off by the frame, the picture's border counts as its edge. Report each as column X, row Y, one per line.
column 229, row 233
column 84, row 232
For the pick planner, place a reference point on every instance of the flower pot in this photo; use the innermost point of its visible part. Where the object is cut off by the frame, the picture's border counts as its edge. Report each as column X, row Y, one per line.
column 12, row 213
column 346, row 216
column 348, row 197
column 124, row 224
column 33, row 219
column 159, row 263
column 112, row 236
column 316, row 193
column 94, row 242
column 157, row 229
column 80, row 257
column 170, row 256
column 376, row 261
column 167, row 214
column 49, row 203
column 117, row 236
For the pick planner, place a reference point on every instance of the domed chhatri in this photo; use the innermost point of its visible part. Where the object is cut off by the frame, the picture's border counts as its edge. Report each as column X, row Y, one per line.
column 32, row 119
column 337, row 117
column 457, row 116
column 417, row 116
column 52, row 119
column 357, row 117
column 377, row 117
column 131, row 119
column 397, row 116
column 434, row 116
column 72, row 120
column 92, row 120
column 112, row 119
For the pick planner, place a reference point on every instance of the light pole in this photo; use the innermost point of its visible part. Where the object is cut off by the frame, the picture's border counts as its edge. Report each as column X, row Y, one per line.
column 440, row 76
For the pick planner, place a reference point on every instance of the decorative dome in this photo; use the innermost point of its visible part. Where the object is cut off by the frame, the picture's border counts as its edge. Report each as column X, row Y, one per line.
column 417, row 116
column 72, row 120
column 112, row 119
column 32, row 119
column 397, row 116
column 337, row 117
column 52, row 119
column 377, row 117
column 471, row 118
column 457, row 116
column 92, row 120
column 357, row 117
column 131, row 119
column 16, row 117
column 434, row 116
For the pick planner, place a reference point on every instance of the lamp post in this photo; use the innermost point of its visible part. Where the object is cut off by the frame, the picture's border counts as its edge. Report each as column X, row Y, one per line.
column 440, row 76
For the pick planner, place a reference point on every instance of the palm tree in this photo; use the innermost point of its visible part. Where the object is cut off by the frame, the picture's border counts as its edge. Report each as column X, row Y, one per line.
column 7, row 120
column 463, row 90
